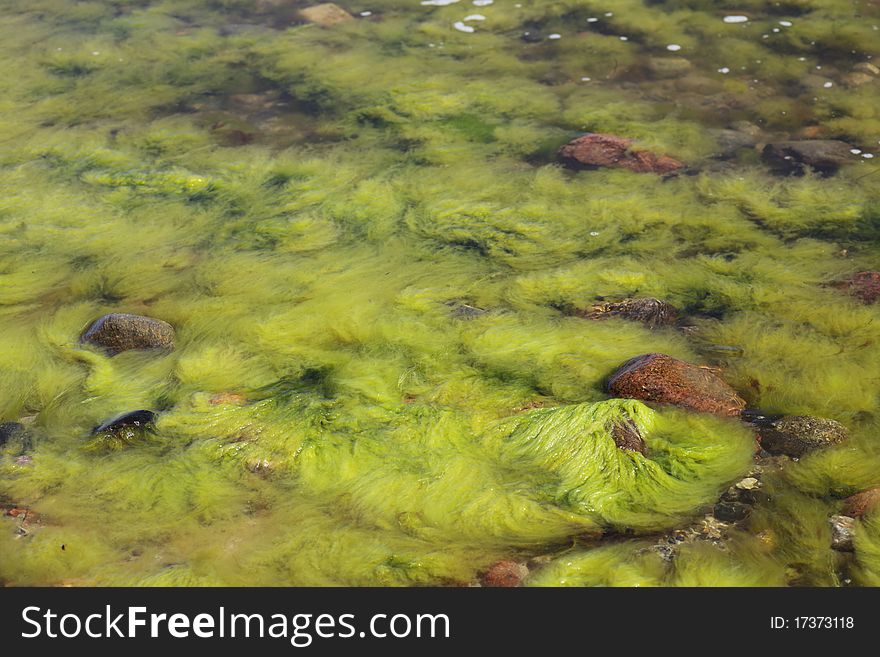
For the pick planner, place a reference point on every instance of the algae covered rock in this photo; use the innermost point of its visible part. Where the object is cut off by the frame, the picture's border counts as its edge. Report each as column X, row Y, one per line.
column 824, row 155
column 571, row 454
column 651, row 312
column 797, row 435
column 123, row 430
column 326, row 14
column 863, row 285
column 118, row 332
column 662, row 379
column 598, row 150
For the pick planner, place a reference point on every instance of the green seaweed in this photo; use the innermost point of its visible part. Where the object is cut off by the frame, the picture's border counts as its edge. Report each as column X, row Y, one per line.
column 308, row 206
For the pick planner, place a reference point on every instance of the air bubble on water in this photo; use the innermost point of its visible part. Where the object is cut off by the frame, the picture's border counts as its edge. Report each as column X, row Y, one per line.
column 623, row 38
column 483, row 3
column 855, row 151
column 786, row 23
column 461, row 27
column 554, row 36
column 366, row 13
column 474, row 17
column 674, row 47
column 867, row 156
column 736, row 19
column 828, row 85
column 724, row 70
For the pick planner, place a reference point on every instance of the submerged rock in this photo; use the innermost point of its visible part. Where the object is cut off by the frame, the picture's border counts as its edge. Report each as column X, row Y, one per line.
column 326, row 14
column 842, row 533
column 730, row 142
column 864, row 286
column 626, row 436
column 9, row 431
column 598, row 150
column 123, row 430
column 504, row 574
column 862, row 503
column 464, row 311
column 666, row 380
column 649, row 311
column 797, row 435
column 867, row 68
column 118, row 332
column 792, row 157
column 668, row 67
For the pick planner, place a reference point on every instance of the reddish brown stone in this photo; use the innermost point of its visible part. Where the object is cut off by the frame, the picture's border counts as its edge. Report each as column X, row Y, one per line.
column 666, row 380
column 234, row 398
column 864, row 286
column 597, row 150
column 504, row 574
column 859, row 504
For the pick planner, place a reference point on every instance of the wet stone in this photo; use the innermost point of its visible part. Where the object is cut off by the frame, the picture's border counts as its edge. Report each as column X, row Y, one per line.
column 503, row 574
column 867, row 68
column 793, row 157
column 666, row 380
column 598, row 150
column 842, row 533
column 123, row 430
column 864, row 502
column 10, row 431
column 797, row 435
column 731, row 511
column 627, row 437
column 118, row 332
column 464, row 311
column 651, row 312
column 730, row 142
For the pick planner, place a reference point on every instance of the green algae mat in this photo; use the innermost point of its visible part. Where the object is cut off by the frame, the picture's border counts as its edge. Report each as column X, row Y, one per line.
column 397, row 248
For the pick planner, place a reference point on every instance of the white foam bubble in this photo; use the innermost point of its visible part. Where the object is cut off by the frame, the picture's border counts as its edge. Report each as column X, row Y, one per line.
column 554, row 36
column 474, row 17
column 736, row 19
column 483, row 3
column 674, row 47
column 461, row 27
column 438, row 3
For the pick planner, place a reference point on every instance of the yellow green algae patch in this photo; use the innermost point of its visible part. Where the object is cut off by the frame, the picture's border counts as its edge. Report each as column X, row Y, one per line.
column 374, row 263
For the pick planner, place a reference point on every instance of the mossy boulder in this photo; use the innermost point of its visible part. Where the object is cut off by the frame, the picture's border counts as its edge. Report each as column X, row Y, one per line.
column 598, row 150
column 123, row 430
column 118, row 332
column 651, row 312
column 797, row 435
column 326, row 14
column 662, row 379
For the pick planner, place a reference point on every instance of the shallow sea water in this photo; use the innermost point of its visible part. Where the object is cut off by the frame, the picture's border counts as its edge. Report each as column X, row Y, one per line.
column 374, row 264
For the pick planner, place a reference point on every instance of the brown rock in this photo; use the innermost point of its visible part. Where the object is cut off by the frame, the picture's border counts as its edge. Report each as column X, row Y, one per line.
column 859, row 504
column 649, row 311
column 504, row 574
column 597, row 150
column 118, row 332
column 797, row 435
column 326, row 14
column 864, row 286
column 824, row 155
column 627, row 437
column 666, row 380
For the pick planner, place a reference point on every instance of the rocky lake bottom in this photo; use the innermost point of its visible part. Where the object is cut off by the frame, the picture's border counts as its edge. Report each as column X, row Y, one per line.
column 440, row 293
